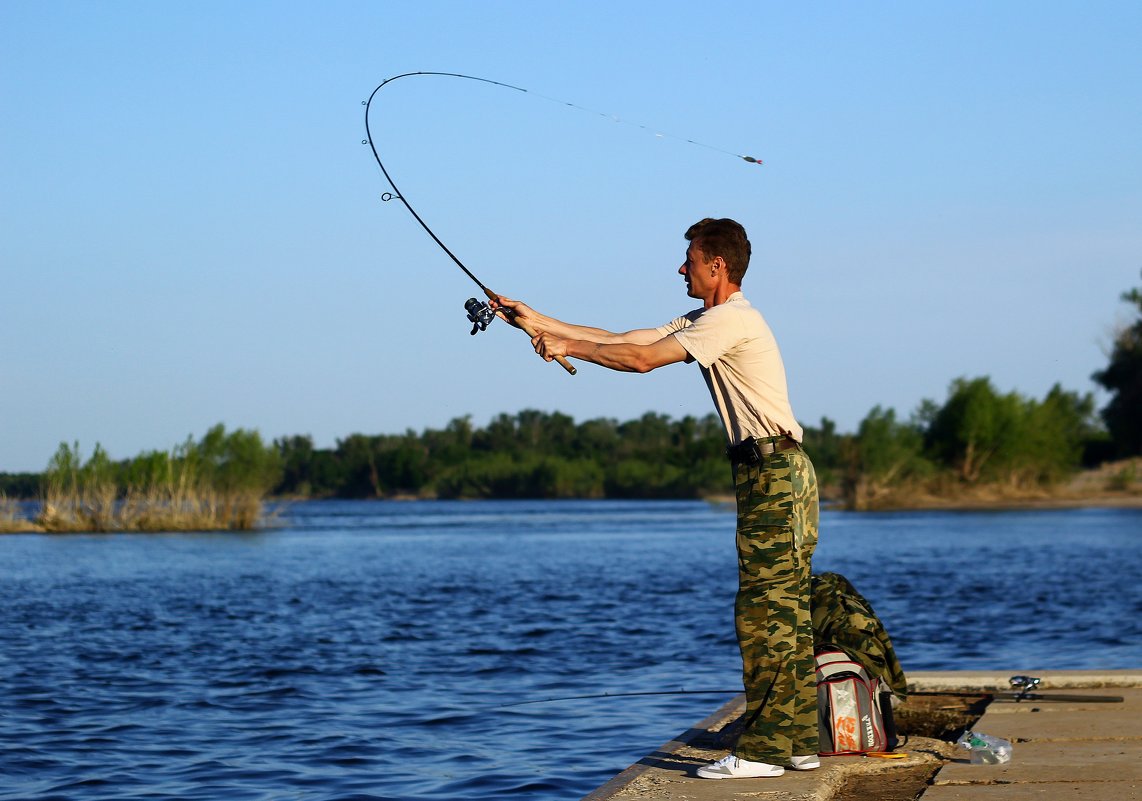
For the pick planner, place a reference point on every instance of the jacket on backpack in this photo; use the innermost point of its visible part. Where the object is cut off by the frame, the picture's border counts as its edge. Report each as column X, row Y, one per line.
column 842, row 617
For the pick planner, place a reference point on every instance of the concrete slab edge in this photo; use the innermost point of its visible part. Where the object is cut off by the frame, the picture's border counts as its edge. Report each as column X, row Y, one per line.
column 917, row 681
column 994, row 680
column 731, row 708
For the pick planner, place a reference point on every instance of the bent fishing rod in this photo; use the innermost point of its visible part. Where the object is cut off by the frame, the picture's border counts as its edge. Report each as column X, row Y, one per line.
column 479, row 314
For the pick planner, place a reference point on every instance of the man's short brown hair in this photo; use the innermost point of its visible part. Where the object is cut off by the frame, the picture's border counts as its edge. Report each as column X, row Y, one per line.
column 725, row 238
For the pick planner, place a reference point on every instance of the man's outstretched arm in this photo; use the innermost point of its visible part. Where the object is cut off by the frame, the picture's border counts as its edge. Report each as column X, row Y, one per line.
column 628, row 357
column 544, row 323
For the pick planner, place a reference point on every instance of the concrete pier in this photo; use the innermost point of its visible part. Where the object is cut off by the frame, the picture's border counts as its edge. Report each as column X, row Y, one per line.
column 1090, row 751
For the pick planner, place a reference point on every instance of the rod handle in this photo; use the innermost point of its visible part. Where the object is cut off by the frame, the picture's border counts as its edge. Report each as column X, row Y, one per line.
column 527, row 329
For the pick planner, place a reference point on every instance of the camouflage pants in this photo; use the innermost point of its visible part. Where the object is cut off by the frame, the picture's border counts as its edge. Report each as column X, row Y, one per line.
column 776, row 534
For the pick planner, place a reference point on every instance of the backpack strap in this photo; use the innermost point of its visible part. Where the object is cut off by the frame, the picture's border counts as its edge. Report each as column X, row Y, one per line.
column 831, row 660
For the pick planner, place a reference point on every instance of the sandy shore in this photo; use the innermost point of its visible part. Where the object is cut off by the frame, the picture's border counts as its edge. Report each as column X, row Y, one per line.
column 968, row 503
column 1115, row 485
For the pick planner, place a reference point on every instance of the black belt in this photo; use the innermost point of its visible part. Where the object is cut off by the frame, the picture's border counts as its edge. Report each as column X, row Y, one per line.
column 753, row 450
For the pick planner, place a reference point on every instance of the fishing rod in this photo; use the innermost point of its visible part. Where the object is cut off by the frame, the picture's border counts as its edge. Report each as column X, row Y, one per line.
column 1040, row 697
column 479, row 313
column 990, row 695
column 1021, row 691
column 1022, row 688
column 620, row 695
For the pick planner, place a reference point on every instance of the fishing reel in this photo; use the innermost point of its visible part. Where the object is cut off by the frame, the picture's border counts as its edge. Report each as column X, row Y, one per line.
column 480, row 315
column 1024, row 684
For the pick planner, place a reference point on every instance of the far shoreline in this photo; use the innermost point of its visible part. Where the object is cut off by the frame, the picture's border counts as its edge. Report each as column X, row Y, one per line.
column 1009, row 505
column 965, row 504
column 978, row 500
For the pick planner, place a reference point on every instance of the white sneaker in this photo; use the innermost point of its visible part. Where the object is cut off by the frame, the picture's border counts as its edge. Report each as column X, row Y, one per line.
column 808, row 762
column 730, row 767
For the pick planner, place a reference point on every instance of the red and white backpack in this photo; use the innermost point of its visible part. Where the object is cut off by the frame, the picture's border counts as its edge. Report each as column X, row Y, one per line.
column 849, row 707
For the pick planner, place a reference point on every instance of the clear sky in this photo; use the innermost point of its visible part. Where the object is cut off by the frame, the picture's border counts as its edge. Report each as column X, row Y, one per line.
column 192, row 231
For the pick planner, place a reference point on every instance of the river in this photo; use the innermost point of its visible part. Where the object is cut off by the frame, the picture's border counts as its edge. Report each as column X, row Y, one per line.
column 380, row 650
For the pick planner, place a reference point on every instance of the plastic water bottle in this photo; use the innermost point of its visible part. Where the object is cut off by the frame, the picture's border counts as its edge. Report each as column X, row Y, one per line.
column 985, row 749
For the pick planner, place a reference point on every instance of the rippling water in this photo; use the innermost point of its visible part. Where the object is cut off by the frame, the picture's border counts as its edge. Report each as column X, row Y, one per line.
column 370, row 650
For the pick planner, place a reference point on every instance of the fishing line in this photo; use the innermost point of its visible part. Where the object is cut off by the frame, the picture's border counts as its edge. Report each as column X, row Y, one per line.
column 480, row 314
column 657, row 133
column 620, row 695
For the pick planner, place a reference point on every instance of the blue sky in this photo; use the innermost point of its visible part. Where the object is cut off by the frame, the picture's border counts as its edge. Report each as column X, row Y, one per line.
column 192, row 232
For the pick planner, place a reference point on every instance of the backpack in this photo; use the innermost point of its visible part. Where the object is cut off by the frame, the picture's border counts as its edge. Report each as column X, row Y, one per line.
column 844, row 618
column 854, row 712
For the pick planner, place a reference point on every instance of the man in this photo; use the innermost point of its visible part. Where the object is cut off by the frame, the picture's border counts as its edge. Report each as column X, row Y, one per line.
column 775, row 484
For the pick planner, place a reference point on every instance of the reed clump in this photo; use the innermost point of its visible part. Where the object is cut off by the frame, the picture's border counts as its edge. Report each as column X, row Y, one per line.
column 219, row 482
column 12, row 517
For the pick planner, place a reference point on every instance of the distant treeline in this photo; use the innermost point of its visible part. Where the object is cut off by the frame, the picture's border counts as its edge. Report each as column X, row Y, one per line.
column 531, row 454
column 978, row 436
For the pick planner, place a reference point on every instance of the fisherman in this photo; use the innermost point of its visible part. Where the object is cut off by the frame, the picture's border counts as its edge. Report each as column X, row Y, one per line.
column 777, row 509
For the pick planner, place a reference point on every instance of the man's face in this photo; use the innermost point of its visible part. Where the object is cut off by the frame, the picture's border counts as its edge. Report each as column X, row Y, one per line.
column 696, row 270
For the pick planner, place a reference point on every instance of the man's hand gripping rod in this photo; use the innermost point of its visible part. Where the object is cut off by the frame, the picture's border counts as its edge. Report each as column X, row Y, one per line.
column 479, row 322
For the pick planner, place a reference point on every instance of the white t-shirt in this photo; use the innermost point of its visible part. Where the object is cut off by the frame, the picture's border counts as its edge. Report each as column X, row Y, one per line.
column 742, row 366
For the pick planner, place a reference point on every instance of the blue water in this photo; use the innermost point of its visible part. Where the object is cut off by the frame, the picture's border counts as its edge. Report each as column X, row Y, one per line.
column 368, row 650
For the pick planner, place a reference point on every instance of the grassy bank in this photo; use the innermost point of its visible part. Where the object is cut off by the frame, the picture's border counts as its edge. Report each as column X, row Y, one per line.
column 150, row 511
column 1117, row 483
column 138, row 511
column 217, row 483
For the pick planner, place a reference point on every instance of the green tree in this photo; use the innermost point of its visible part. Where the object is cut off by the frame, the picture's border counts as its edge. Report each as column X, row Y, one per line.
column 307, row 471
column 500, row 435
column 20, row 485
column 982, row 435
column 826, row 447
column 884, row 454
column 699, row 438
column 971, row 431
column 149, row 470
column 357, row 460
column 1051, row 440
column 403, row 464
column 297, row 456
column 597, row 439
column 240, row 461
column 890, row 450
column 647, row 437
column 640, row 478
column 1122, row 377
column 453, row 444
